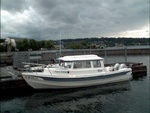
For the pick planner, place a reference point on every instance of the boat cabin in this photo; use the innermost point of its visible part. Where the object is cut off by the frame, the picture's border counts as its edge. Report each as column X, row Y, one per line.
column 81, row 62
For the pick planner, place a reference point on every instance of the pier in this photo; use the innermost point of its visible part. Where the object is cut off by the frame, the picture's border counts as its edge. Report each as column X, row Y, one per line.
column 43, row 57
column 11, row 79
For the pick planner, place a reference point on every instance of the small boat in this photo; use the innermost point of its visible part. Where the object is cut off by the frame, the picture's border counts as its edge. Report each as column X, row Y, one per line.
column 75, row 71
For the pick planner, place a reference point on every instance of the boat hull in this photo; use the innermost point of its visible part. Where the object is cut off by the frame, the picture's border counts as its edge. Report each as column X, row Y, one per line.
column 41, row 82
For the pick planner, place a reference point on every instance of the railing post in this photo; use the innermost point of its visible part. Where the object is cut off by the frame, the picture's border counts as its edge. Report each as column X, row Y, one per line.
column 29, row 56
column 37, row 57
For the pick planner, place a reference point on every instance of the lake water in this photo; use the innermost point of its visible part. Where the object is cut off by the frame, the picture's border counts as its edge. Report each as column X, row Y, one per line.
column 126, row 97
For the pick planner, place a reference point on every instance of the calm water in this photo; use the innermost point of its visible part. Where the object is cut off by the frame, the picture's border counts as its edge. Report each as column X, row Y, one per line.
column 126, row 97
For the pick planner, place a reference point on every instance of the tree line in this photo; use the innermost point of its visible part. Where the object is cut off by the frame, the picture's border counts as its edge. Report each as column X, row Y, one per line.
column 34, row 45
column 81, row 43
column 30, row 44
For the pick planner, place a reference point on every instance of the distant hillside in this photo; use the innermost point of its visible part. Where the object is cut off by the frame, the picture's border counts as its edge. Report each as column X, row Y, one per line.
column 94, row 42
column 110, row 42
column 107, row 41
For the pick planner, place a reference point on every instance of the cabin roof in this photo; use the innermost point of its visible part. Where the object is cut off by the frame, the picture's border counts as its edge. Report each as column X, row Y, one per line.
column 80, row 58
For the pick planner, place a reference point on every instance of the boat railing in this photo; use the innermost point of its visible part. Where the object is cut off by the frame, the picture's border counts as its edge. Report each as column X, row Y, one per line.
column 33, row 67
column 49, row 71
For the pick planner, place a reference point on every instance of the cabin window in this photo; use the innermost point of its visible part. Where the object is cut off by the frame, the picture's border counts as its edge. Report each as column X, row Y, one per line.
column 66, row 64
column 82, row 64
column 96, row 64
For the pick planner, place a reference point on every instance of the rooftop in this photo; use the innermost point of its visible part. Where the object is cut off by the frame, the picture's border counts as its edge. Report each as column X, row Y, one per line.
column 80, row 58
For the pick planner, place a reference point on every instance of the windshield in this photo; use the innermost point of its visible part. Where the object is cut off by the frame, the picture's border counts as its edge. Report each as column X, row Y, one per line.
column 65, row 64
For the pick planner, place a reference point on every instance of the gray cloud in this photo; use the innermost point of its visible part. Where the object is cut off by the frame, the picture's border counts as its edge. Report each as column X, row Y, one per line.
column 74, row 18
column 14, row 5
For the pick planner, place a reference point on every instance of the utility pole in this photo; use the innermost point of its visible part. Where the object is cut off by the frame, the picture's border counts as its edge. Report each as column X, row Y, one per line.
column 60, row 45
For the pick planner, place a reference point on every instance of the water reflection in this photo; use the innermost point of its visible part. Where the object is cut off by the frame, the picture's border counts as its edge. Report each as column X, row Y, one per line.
column 78, row 100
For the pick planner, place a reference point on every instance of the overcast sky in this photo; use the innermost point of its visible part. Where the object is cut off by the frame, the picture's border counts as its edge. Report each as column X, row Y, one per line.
column 52, row 19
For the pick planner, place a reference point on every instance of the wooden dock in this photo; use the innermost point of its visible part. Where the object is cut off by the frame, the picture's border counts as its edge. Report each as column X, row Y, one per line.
column 11, row 79
column 138, row 69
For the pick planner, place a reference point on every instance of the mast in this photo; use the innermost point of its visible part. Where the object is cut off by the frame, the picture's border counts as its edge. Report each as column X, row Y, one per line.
column 60, row 45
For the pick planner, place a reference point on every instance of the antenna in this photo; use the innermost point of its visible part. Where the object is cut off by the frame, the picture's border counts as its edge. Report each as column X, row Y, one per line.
column 60, row 45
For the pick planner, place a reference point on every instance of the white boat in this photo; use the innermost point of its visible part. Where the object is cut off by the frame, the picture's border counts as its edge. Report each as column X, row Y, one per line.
column 76, row 71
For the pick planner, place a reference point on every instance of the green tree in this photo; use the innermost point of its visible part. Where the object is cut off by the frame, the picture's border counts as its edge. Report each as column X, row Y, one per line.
column 49, row 44
column 77, row 45
column 25, row 44
column 84, row 43
column 42, row 44
column 33, row 44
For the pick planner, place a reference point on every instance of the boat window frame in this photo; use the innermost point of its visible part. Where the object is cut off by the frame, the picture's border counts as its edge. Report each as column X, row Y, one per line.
column 99, row 63
column 83, row 66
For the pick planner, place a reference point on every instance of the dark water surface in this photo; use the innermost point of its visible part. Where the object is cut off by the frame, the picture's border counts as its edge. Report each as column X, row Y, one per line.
column 125, row 97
